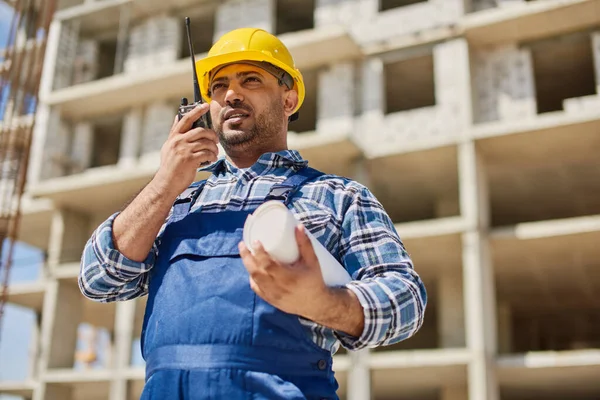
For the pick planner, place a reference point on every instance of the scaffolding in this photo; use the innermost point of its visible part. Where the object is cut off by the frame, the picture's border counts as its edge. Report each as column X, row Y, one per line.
column 20, row 73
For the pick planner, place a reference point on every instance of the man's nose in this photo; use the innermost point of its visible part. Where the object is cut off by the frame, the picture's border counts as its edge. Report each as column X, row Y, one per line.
column 233, row 94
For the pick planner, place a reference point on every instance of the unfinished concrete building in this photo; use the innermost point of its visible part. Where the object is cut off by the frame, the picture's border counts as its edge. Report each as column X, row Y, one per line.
column 475, row 122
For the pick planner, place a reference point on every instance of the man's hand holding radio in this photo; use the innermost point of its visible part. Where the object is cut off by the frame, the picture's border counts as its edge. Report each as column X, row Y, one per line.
column 185, row 150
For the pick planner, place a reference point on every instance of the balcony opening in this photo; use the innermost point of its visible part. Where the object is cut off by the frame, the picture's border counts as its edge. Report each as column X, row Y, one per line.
column 75, row 390
column 294, row 15
column 409, row 84
column 575, row 329
column 308, row 112
column 563, row 69
column 106, row 141
column 107, row 52
column 389, row 4
column 81, row 338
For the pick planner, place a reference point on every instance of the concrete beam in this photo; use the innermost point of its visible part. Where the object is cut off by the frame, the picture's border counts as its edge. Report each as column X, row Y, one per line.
column 550, row 228
column 431, row 228
column 419, row 358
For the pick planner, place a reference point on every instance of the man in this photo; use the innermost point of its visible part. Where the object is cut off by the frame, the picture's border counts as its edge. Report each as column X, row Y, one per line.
column 222, row 322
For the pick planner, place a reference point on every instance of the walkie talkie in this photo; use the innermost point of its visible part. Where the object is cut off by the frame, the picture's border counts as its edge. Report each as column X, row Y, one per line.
column 185, row 107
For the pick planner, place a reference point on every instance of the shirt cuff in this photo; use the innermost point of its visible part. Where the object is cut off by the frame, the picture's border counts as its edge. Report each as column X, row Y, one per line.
column 115, row 262
column 373, row 317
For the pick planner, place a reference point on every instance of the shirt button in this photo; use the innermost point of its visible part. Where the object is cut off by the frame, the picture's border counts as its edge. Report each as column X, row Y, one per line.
column 322, row 365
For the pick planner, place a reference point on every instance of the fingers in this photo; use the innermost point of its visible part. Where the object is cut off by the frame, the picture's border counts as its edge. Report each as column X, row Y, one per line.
column 247, row 258
column 188, row 119
column 305, row 247
column 200, row 133
column 204, row 145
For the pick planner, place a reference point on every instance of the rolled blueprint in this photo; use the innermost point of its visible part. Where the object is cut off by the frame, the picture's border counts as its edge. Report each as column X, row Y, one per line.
column 272, row 224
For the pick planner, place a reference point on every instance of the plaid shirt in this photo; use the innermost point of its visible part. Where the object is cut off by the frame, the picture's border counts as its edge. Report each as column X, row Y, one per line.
column 342, row 214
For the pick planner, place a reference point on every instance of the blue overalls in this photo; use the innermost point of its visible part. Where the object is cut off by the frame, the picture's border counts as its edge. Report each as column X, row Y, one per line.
column 206, row 334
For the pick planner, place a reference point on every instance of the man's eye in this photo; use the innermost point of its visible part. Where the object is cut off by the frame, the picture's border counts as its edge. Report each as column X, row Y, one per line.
column 216, row 86
column 252, row 79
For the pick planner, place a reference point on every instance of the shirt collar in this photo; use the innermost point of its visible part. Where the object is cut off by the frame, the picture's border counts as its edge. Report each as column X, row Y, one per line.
column 280, row 159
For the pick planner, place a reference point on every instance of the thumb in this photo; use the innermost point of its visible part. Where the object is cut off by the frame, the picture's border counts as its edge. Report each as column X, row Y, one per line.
column 305, row 247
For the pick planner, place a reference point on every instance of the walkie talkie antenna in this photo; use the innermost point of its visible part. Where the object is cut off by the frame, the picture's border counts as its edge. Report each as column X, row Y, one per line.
column 197, row 95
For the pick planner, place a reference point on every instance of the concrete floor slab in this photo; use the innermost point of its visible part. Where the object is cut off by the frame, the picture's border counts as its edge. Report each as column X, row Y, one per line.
column 29, row 295
column 529, row 20
column 22, row 389
column 550, row 375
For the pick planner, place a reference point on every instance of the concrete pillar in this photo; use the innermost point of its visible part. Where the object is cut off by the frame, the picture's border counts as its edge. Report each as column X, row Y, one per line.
column 232, row 14
column 369, row 130
column 361, row 173
column 336, row 99
column 450, row 306
column 158, row 119
column 63, row 334
column 55, row 154
column 81, row 149
column 34, row 346
column 69, row 232
column 344, row 12
column 43, row 114
column 47, row 324
column 58, row 337
column 596, row 52
column 130, row 139
column 480, row 308
column 504, row 84
column 123, row 335
column 66, row 52
column 453, row 86
column 454, row 393
column 359, row 376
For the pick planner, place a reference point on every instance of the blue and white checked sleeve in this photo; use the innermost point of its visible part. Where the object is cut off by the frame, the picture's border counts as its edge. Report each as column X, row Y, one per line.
column 384, row 280
column 106, row 275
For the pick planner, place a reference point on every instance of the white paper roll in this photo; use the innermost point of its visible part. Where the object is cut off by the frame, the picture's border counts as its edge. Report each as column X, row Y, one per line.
column 272, row 224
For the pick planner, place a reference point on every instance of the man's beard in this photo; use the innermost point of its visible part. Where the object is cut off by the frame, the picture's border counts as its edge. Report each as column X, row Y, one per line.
column 266, row 128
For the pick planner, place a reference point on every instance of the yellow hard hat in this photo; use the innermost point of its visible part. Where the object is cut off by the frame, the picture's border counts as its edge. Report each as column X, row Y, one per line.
column 253, row 45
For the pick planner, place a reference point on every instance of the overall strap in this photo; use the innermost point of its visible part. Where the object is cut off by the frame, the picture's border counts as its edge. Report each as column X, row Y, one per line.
column 185, row 201
column 285, row 190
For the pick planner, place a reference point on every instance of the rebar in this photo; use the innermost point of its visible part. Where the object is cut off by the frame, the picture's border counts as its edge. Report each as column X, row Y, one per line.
column 20, row 74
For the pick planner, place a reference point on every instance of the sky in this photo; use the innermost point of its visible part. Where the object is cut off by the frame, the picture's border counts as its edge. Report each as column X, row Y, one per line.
column 16, row 326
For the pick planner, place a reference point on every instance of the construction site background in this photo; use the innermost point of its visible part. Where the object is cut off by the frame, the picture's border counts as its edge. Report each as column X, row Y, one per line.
column 476, row 123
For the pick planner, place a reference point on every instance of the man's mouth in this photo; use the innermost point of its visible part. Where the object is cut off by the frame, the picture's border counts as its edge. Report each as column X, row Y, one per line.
column 236, row 118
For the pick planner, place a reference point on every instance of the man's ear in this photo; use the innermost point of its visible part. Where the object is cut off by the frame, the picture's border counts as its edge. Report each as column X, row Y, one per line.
column 290, row 101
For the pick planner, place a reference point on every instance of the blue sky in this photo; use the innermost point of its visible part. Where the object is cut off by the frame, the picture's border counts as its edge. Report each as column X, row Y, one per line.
column 17, row 322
